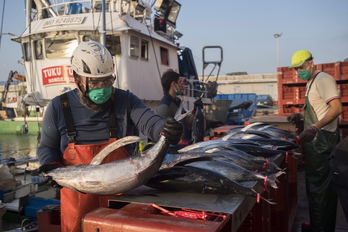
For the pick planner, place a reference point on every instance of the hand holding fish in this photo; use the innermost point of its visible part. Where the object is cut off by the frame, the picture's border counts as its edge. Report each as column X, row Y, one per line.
column 172, row 131
column 294, row 118
column 198, row 104
column 47, row 179
column 309, row 134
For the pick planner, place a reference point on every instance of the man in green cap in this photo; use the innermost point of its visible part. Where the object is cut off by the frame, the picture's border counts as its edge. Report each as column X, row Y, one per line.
column 321, row 110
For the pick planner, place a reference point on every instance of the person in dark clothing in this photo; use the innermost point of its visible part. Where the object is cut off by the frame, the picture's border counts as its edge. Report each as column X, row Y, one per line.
column 172, row 85
column 78, row 124
column 339, row 169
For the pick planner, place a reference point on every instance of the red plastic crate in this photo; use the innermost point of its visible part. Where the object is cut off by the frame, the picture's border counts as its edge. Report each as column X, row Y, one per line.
column 344, row 115
column 49, row 219
column 339, row 70
column 288, row 75
column 291, row 95
column 259, row 218
column 343, row 90
column 139, row 217
column 284, row 109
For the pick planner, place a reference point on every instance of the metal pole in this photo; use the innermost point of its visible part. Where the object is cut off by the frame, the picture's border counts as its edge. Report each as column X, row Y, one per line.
column 103, row 32
column 2, row 20
column 277, row 38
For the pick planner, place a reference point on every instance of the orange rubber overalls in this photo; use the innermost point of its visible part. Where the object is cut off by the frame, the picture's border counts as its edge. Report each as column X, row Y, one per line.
column 74, row 205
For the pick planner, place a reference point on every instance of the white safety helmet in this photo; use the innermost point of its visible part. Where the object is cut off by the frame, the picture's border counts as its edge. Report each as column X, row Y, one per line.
column 92, row 59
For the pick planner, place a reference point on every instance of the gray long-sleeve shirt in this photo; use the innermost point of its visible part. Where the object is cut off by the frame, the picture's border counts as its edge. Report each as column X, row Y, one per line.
column 93, row 127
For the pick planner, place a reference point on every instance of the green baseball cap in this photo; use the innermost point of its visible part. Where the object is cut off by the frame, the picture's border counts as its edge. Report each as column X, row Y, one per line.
column 299, row 58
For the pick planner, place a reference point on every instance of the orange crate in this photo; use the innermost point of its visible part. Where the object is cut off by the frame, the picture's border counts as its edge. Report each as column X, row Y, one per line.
column 343, row 90
column 339, row 70
column 292, row 95
column 344, row 115
column 259, row 218
column 288, row 75
column 285, row 109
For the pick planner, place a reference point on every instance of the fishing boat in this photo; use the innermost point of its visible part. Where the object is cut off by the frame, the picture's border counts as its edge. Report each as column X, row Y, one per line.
column 140, row 35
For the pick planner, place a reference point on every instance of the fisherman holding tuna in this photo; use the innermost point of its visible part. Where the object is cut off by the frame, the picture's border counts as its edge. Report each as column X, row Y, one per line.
column 78, row 124
column 321, row 110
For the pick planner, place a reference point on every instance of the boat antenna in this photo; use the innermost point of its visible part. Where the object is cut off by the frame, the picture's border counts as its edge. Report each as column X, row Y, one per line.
column 103, row 33
column 154, row 51
column 2, row 20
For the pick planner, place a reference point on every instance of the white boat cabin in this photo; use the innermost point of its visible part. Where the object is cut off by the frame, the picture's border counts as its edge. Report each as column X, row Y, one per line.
column 139, row 34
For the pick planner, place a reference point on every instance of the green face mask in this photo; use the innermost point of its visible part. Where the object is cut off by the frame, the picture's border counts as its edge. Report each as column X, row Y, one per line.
column 177, row 91
column 304, row 75
column 100, row 95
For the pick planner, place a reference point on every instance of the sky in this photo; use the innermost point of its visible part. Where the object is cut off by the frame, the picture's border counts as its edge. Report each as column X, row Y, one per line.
column 244, row 29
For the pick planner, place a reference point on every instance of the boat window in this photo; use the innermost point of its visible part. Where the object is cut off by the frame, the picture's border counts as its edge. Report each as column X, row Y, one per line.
column 60, row 47
column 90, row 37
column 38, row 49
column 98, row 6
column 113, row 44
column 134, row 47
column 164, row 56
column 27, row 52
column 144, row 50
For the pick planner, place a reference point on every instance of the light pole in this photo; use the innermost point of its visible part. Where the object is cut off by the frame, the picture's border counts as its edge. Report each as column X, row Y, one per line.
column 277, row 37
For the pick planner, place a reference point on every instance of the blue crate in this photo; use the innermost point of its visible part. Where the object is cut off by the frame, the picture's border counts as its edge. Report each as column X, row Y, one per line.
column 37, row 203
column 236, row 117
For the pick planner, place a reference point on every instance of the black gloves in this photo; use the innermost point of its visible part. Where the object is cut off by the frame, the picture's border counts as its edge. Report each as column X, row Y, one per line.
column 198, row 103
column 172, row 131
column 294, row 118
column 47, row 179
column 309, row 134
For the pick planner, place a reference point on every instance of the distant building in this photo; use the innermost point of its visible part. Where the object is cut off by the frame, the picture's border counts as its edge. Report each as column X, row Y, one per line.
column 253, row 83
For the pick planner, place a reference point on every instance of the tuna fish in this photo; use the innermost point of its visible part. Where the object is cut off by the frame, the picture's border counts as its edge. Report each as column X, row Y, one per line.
column 192, row 179
column 233, row 171
column 225, row 155
column 198, row 126
column 112, row 177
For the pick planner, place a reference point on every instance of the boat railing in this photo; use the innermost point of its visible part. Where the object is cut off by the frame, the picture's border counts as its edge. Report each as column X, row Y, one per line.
column 137, row 9
column 199, row 89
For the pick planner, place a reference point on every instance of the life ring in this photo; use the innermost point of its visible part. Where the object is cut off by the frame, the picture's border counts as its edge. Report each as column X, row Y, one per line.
column 13, row 100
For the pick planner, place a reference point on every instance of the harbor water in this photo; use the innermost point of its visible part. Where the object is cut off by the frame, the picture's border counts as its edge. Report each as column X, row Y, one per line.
column 18, row 146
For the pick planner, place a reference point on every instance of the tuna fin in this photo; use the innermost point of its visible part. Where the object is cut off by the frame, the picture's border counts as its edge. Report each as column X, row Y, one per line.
column 272, row 179
column 266, row 200
column 113, row 146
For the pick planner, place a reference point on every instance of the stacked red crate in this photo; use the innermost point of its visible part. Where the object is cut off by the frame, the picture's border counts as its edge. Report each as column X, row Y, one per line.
column 291, row 89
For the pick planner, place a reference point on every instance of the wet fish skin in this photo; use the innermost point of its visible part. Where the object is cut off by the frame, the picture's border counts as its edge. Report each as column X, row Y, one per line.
column 198, row 126
column 112, row 177
column 230, row 147
column 234, row 171
column 220, row 155
column 277, row 144
column 197, row 180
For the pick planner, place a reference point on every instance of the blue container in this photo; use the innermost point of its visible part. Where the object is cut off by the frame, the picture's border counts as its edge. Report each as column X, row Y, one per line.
column 37, row 203
column 237, row 116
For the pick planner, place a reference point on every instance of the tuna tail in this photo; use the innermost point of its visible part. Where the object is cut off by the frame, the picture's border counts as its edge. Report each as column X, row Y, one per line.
column 272, row 179
column 113, row 146
column 268, row 201
column 271, row 161
column 259, row 196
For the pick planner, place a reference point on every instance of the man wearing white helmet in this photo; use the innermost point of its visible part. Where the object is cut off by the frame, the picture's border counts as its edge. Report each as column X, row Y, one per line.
column 320, row 136
column 81, row 122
